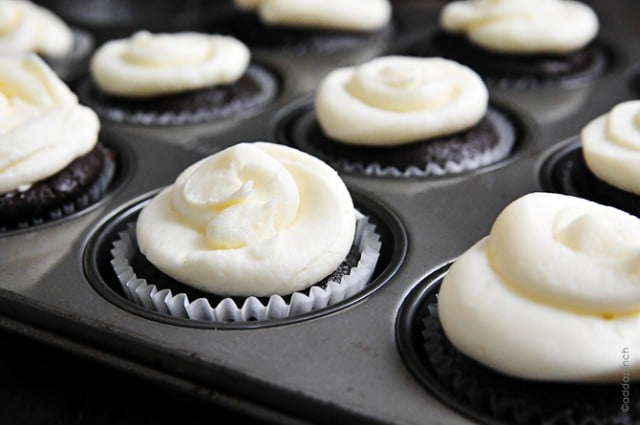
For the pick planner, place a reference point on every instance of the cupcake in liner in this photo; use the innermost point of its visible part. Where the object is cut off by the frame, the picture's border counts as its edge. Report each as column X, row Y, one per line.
column 602, row 164
column 546, row 340
column 52, row 164
column 34, row 29
column 408, row 117
column 310, row 26
column 175, row 79
column 257, row 231
column 237, row 309
column 521, row 44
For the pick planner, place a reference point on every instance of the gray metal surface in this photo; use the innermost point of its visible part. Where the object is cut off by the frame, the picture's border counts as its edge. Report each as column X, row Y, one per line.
column 346, row 361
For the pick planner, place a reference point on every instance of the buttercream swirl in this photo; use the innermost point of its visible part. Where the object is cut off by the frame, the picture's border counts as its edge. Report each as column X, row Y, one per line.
column 522, row 26
column 611, row 146
column 553, row 292
column 26, row 27
column 42, row 126
column 352, row 15
column 254, row 219
column 394, row 100
column 148, row 65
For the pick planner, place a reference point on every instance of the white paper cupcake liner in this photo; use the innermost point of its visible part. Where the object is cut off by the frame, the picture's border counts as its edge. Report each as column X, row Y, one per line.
column 266, row 82
column 147, row 295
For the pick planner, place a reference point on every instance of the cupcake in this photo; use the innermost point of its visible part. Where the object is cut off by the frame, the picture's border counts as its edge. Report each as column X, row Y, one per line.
column 521, row 43
column 28, row 28
column 50, row 162
column 256, row 231
column 536, row 322
column 165, row 79
column 605, row 166
column 311, row 26
column 405, row 116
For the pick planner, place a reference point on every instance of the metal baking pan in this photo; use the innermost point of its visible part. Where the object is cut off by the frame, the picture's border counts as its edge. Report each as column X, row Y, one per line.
column 343, row 366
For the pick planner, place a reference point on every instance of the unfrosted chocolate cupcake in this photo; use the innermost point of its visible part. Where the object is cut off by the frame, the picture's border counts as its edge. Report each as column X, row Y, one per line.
column 520, row 44
column 182, row 78
column 307, row 27
column 403, row 116
column 51, row 163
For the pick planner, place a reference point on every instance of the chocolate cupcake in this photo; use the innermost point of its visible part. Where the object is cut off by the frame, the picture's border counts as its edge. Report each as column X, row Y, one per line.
column 235, row 239
column 310, row 26
column 521, row 44
column 538, row 319
column 29, row 28
column 172, row 79
column 51, row 163
column 403, row 116
column 603, row 164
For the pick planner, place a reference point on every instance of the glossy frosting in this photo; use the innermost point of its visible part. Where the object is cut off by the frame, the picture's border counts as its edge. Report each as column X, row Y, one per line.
column 148, row 65
column 42, row 126
column 553, row 293
column 522, row 26
column 611, row 146
column 394, row 100
column 351, row 15
column 254, row 219
column 26, row 27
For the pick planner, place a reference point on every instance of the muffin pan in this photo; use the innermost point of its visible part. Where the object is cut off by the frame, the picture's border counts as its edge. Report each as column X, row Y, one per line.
column 345, row 364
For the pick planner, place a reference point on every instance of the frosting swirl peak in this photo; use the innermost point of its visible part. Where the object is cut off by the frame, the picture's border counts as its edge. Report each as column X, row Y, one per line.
column 241, row 196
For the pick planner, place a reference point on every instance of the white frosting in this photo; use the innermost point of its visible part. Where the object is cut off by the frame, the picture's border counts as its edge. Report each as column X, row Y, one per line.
column 254, row 219
column 394, row 100
column 26, row 27
column 553, row 293
column 42, row 126
column 352, row 15
column 522, row 26
column 611, row 146
column 154, row 64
